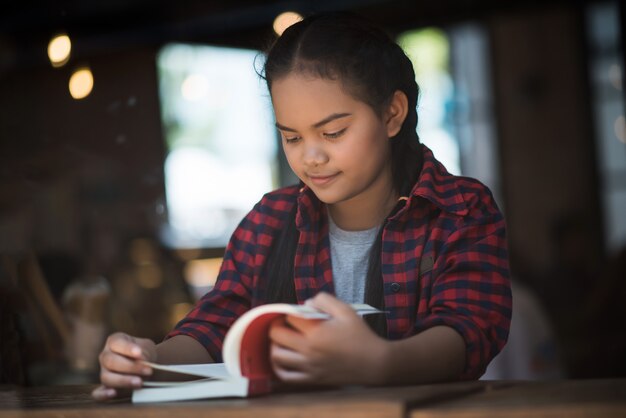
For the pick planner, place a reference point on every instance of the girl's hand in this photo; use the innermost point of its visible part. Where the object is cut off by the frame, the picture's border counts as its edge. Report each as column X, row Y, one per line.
column 340, row 350
column 120, row 365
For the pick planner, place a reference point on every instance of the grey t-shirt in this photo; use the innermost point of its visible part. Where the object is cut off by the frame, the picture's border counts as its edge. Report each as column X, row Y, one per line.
column 349, row 255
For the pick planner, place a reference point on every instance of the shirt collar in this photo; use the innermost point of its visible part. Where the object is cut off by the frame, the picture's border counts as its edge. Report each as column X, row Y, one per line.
column 438, row 186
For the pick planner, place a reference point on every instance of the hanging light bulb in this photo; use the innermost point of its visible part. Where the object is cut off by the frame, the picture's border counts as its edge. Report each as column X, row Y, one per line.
column 59, row 49
column 81, row 83
column 284, row 20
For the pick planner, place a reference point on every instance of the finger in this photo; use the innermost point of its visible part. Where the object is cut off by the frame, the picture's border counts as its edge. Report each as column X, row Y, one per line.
column 329, row 304
column 302, row 325
column 119, row 380
column 102, row 393
column 292, row 376
column 280, row 333
column 126, row 345
column 288, row 359
column 119, row 364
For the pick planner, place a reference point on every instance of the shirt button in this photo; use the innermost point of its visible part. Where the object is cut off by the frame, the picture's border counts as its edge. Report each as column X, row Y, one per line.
column 395, row 287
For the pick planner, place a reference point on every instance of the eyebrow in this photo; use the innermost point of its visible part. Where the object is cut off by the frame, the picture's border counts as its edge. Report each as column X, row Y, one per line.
column 323, row 122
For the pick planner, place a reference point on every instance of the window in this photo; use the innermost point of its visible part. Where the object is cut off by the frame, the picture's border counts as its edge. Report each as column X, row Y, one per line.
column 220, row 141
column 429, row 50
column 454, row 108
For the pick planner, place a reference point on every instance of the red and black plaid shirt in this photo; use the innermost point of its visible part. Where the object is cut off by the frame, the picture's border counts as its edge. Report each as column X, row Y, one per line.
column 444, row 262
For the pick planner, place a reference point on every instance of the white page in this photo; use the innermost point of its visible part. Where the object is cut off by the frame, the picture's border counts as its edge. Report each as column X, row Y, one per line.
column 212, row 370
column 232, row 387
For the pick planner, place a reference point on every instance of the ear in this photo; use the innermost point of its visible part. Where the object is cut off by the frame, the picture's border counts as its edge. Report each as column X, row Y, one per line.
column 396, row 113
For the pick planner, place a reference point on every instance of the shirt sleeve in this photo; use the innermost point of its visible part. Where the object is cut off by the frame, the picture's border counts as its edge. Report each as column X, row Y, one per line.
column 215, row 312
column 471, row 290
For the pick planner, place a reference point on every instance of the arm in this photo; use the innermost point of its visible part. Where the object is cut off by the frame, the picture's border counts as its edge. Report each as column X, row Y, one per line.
column 212, row 316
column 198, row 337
column 434, row 355
column 343, row 350
column 471, row 291
column 182, row 349
column 191, row 342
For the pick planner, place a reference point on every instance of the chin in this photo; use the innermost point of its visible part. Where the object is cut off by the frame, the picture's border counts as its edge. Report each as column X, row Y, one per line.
column 326, row 197
column 331, row 198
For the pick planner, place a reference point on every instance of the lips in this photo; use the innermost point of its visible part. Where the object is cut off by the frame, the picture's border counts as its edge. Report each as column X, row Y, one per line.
column 322, row 180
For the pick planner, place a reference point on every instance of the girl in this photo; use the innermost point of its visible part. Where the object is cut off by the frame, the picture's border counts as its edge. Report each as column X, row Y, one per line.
column 376, row 219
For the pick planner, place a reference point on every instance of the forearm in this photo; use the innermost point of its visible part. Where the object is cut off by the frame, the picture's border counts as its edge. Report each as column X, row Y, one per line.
column 180, row 349
column 434, row 355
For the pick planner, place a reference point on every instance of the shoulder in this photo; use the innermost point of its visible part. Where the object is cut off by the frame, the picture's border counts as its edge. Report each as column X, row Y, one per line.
column 459, row 197
column 478, row 199
column 479, row 228
column 274, row 206
column 266, row 218
column 280, row 200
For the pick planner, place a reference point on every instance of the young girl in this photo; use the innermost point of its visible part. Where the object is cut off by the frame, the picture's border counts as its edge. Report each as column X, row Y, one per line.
column 376, row 219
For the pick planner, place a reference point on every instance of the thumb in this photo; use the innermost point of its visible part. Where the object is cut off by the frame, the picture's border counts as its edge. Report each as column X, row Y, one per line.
column 133, row 347
column 148, row 348
column 329, row 304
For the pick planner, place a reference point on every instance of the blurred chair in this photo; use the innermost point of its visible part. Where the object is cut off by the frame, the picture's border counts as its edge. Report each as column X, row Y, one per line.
column 531, row 352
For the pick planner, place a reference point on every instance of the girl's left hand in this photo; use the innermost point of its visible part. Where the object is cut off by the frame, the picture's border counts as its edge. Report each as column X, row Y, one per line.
column 338, row 351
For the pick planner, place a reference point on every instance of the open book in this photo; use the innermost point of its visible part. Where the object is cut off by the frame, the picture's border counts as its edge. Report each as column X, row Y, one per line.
column 246, row 370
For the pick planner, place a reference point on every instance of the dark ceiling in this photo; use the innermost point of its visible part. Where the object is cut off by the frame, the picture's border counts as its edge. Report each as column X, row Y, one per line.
column 90, row 16
column 100, row 26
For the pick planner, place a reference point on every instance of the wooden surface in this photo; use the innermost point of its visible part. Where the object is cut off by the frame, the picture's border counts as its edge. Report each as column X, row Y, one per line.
column 567, row 398
column 573, row 398
column 75, row 401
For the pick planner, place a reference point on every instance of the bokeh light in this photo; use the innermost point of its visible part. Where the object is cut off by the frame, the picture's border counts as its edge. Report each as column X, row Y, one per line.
column 81, row 83
column 59, row 49
column 284, row 20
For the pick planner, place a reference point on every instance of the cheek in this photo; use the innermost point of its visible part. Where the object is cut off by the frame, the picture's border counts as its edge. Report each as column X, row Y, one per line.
column 368, row 152
column 292, row 160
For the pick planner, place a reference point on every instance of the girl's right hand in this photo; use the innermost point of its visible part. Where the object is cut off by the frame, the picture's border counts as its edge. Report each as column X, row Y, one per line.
column 120, row 364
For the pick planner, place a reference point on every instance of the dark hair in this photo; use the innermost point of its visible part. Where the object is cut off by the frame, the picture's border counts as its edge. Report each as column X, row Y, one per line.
column 371, row 67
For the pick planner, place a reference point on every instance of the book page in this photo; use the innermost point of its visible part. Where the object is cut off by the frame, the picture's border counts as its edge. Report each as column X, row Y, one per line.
column 169, row 384
column 202, row 389
column 208, row 370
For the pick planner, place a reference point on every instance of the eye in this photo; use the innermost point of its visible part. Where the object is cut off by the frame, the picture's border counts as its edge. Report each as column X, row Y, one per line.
column 291, row 139
column 334, row 135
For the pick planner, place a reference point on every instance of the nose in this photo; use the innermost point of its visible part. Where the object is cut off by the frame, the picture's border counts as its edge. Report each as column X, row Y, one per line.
column 314, row 155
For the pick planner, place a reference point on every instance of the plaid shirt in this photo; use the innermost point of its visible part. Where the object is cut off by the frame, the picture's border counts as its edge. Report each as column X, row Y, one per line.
column 444, row 262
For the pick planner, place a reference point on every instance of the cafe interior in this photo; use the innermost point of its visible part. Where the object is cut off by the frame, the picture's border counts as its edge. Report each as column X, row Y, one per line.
column 135, row 135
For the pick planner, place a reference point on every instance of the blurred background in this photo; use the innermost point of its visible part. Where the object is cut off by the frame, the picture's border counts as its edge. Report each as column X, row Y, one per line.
column 134, row 135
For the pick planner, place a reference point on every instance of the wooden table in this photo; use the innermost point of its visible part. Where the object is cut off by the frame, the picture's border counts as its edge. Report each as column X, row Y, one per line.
column 566, row 398
column 464, row 399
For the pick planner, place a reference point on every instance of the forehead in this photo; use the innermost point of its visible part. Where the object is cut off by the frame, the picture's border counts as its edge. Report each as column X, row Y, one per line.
column 304, row 85
column 301, row 97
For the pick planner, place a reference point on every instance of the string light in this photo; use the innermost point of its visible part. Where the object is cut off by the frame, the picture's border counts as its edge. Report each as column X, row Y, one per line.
column 284, row 20
column 59, row 49
column 81, row 83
